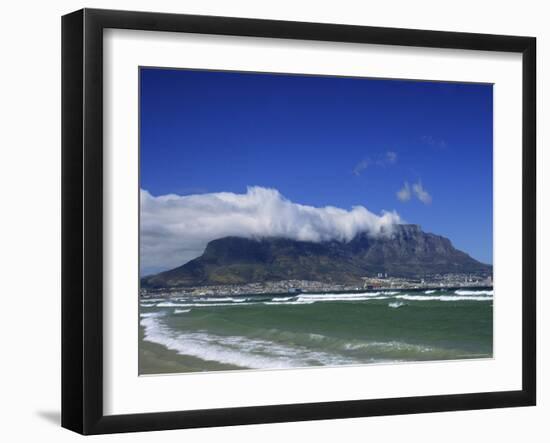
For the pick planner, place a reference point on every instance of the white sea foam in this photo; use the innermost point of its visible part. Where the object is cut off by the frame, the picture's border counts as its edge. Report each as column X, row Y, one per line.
column 237, row 350
column 200, row 305
column 276, row 348
column 466, row 292
column 301, row 299
column 396, row 304
column 388, row 346
column 340, row 295
column 181, row 311
column 170, row 304
column 209, row 300
column 282, row 298
column 295, row 302
column 310, row 298
column 443, row 298
column 150, row 314
column 214, row 299
column 358, row 296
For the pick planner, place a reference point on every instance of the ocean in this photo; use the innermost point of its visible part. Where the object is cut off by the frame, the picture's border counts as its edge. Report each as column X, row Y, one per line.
column 189, row 334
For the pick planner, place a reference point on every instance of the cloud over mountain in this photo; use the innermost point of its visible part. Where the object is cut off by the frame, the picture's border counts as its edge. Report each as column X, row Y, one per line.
column 175, row 229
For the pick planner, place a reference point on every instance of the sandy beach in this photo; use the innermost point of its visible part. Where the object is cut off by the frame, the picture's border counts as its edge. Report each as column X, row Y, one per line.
column 157, row 359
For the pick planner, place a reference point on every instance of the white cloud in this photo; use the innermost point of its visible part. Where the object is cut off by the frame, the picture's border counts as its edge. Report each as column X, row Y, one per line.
column 430, row 140
column 391, row 157
column 176, row 229
column 360, row 167
column 404, row 194
column 421, row 193
column 388, row 158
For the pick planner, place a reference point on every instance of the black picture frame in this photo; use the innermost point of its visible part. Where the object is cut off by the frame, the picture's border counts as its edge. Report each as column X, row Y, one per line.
column 82, row 218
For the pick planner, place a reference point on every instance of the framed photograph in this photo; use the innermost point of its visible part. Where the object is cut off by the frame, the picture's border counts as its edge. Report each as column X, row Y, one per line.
column 268, row 221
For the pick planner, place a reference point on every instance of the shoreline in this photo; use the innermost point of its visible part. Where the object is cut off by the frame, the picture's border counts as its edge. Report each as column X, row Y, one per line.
column 156, row 359
column 170, row 292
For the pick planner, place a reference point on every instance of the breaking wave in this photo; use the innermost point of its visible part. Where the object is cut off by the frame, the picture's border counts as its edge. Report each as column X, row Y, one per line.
column 443, row 298
column 277, row 349
column 240, row 351
column 310, row 298
column 481, row 292
column 181, row 311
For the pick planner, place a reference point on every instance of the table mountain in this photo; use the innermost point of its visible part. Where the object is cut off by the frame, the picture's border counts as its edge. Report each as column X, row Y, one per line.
column 406, row 252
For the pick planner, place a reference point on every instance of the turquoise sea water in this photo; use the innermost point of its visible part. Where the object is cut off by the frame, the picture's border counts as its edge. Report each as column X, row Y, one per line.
column 286, row 331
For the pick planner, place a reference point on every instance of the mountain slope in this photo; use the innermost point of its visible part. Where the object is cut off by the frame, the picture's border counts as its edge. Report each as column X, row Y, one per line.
column 407, row 252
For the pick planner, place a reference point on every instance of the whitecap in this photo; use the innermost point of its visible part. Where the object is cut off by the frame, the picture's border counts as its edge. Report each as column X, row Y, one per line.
column 295, row 302
column 442, row 298
column 388, row 346
column 199, row 305
column 150, row 314
column 469, row 292
column 181, row 311
column 283, row 298
column 358, row 296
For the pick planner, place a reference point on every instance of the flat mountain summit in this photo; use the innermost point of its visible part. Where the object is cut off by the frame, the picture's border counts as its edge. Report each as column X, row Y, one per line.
column 407, row 252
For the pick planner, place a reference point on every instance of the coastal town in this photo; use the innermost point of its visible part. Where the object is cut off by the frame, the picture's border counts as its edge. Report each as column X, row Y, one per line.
column 380, row 282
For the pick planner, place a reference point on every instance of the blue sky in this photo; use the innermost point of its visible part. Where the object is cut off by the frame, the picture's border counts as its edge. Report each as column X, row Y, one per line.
column 326, row 141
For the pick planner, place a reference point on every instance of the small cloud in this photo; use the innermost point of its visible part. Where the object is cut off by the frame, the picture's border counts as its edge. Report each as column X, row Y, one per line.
column 428, row 139
column 391, row 157
column 434, row 142
column 386, row 159
column 360, row 167
column 421, row 193
column 417, row 190
column 404, row 194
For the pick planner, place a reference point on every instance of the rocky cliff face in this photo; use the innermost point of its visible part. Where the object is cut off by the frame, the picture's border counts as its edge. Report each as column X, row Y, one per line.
column 406, row 252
